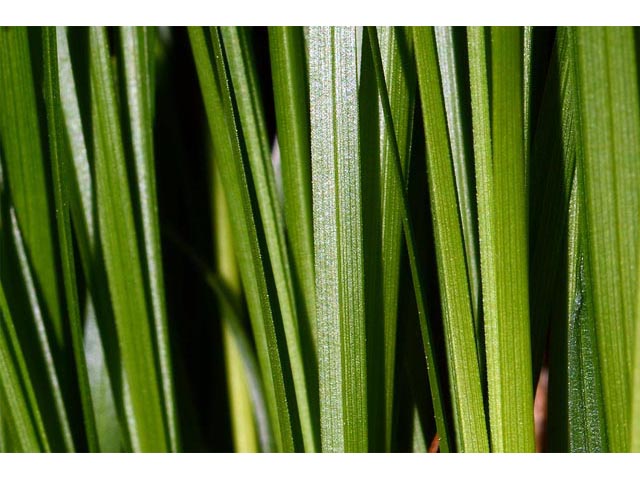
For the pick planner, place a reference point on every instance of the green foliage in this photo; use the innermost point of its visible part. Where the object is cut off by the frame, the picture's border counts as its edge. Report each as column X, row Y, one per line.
column 610, row 120
column 323, row 239
column 501, row 179
column 338, row 238
column 457, row 308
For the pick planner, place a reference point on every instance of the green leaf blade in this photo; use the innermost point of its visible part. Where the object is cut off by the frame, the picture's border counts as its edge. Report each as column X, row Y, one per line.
column 17, row 389
column 100, row 338
column 501, row 182
column 253, row 126
column 396, row 47
column 610, row 119
column 466, row 389
column 417, row 277
column 335, row 161
column 26, row 175
column 462, row 164
column 292, row 116
column 245, row 436
column 43, row 343
column 137, row 43
column 59, row 171
column 118, row 237
column 587, row 426
column 215, row 88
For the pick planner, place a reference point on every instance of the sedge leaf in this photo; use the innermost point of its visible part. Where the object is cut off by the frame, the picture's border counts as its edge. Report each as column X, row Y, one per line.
column 26, row 175
column 216, row 92
column 498, row 129
column 252, row 123
column 610, row 130
column 59, row 171
column 242, row 422
column 457, row 308
column 587, row 428
column 145, row 419
column 576, row 410
column 338, row 238
column 396, row 48
column 448, row 60
column 43, row 338
column 137, row 51
column 418, row 285
column 101, row 346
column 17, row 389
column 288, row 67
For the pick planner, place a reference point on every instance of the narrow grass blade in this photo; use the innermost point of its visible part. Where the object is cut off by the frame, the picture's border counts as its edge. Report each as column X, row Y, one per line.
column 289, row 71
column 481, row 120
column 401, row 186
column 17, row 390
column 576, row 409
column 43, row 338
column 137, row 52
column 381, row 219
column 586, row 416
column 81, row 186
column 340, row 289
column 557, row 235
column 396, row 50
column 610, row 120
column 501, row 182
column 215, row 88
column 252, row 123
column 104, row 369
column 25, row 169
column 147, row 428
column 457, row 309
column 42, row 335
column 612, row 144
column 59, row 173
column 22, row 427
column 291, row 101
column 462, row 161
column 243, row 427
